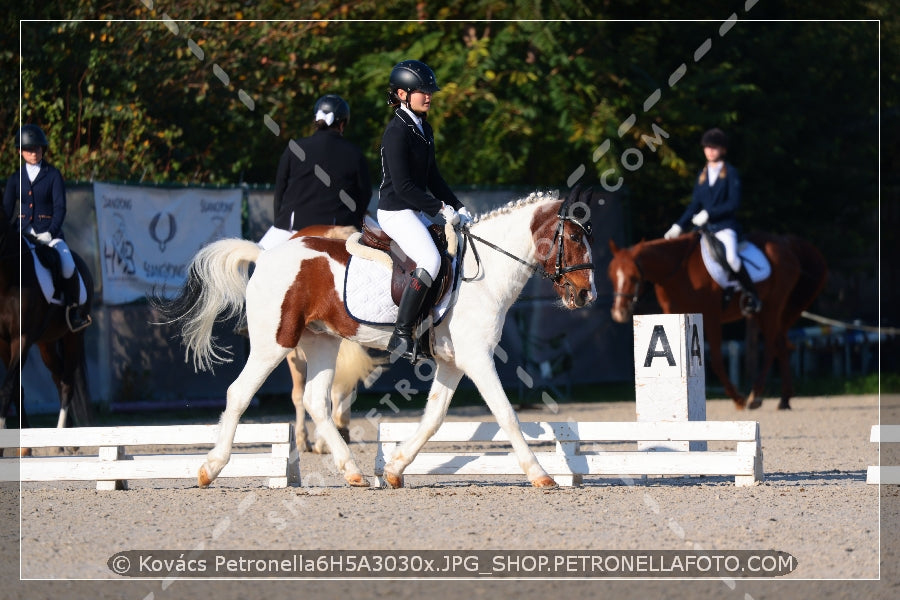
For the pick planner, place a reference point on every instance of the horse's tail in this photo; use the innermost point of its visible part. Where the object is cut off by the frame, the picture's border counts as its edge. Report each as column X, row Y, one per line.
column 813, row 275
column 355, row 364
column 216, row 285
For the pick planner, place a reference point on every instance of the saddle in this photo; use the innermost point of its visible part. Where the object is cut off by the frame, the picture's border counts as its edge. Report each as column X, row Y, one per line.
column 375, row 237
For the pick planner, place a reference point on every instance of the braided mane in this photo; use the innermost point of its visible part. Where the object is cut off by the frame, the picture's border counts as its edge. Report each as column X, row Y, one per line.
column 512, row 205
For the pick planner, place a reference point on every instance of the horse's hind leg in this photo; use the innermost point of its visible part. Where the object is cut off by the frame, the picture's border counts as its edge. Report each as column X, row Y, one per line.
column 297, row 364
column 260, row 365
column 777, row 349
column 321, row 356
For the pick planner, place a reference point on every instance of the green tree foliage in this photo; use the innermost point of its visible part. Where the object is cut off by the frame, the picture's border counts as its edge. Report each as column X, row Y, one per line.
column 210, row 92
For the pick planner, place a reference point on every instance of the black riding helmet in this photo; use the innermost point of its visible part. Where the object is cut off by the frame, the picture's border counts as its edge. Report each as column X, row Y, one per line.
column 334, row 105
column 411, row 75
column 714, row 137
column 31, row 135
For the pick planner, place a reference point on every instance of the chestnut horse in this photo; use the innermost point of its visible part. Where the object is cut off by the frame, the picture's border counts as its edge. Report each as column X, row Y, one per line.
column 294, row 299
column 27, row 319
column 683, row 285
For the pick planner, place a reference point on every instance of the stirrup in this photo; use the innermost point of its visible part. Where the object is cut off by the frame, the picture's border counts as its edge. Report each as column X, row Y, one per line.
column 408, row 348
column 78, row 326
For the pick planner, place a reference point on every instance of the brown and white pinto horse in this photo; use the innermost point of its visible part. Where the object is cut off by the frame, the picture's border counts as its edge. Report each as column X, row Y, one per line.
column 683, row 285
column 293, row 299
column 354, row 365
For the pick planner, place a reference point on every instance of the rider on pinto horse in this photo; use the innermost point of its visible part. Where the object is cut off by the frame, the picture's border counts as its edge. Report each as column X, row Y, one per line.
column 716, row 198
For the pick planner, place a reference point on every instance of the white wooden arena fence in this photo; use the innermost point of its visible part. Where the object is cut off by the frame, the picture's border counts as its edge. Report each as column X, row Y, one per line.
column 569, row 461
column 880, row 474
column 112, row 467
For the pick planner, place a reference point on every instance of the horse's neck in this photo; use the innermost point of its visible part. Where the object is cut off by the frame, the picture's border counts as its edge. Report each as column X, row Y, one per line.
column 504, row 276
column 660, row 260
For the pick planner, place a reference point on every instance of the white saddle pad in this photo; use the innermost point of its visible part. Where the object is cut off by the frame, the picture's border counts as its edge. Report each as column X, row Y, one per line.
column 45, row 279
column 753, row 258
column 367, row 293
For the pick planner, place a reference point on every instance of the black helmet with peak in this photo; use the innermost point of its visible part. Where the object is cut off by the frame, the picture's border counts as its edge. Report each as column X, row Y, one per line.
column 714, row 137
column 31, row 135
column 411, row 75
column 331, row 109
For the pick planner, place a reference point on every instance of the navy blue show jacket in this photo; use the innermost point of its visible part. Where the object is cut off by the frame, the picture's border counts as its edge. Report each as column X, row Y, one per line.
column 329, row 185
column 409, row 169
column 43, row 201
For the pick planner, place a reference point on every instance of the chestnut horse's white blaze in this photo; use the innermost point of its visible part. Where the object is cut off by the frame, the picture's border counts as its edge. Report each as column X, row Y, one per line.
column 294, row 300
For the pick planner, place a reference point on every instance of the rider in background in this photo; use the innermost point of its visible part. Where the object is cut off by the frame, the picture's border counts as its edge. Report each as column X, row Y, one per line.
column 412, row 187
column 39, row 189
column 715, row 201
column 302, row 198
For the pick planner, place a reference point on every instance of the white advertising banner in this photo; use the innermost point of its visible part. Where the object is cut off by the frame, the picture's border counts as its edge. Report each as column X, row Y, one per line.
column 148, row 236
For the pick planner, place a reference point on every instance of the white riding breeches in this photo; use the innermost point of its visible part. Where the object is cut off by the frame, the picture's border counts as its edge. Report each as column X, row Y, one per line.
column 67, row 263
column 729, row 239
column 409, row 229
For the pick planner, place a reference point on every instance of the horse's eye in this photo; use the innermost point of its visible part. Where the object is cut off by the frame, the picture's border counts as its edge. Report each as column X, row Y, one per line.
column 575, row 237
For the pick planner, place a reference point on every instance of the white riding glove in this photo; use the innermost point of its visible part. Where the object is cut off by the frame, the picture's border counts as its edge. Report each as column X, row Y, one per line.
column 700, row 218
column 44, row 237
column 464, row 216
column 673, row 232
column 450, row 215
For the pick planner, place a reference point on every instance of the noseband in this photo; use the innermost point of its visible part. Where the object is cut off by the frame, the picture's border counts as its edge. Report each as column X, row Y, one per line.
column 560, row 269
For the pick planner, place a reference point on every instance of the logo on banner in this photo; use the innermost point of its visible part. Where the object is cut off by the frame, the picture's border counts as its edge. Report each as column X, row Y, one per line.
column 119, row 251
column 169, row 230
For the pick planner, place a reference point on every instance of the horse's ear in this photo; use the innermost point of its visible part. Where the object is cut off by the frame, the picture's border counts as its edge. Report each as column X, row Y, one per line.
column 574, row 193
column 612, row 246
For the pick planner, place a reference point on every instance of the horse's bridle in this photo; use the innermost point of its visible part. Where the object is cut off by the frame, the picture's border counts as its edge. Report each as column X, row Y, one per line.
column 560, row 269
column 637, row 286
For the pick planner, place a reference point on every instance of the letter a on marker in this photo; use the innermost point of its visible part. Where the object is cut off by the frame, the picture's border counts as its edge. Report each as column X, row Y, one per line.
column 659, row 336
column 696, row 350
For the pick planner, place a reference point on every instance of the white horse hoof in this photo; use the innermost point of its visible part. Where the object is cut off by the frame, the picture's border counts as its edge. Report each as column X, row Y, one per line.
column 203, row 478
column 357, row 480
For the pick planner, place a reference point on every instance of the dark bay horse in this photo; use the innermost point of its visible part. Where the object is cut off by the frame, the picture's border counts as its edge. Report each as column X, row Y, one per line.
column 27, row 319
column 683, row 285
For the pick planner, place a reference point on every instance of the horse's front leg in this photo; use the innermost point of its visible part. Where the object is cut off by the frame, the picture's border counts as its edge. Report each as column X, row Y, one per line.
column 297, row 365
column 713, row 333
column 321, row 356
column 262, row 361
column 485, row 377
column 446, row 378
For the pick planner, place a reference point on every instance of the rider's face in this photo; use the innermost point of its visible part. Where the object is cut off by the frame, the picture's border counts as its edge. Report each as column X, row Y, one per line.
column 32, row 154
column 418, row 101
column 713, row 153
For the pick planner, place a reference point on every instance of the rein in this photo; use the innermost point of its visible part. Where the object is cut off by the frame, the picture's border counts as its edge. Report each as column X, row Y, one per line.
column 559, row 269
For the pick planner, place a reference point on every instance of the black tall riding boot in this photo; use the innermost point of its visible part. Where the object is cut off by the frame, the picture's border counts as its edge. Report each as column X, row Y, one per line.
column 401, row 344
column 75, row 318
column 750, row 302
